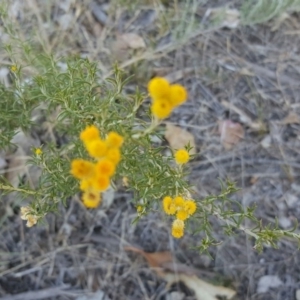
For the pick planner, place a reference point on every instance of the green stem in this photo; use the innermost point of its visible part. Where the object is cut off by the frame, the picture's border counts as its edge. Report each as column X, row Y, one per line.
column 13, row 189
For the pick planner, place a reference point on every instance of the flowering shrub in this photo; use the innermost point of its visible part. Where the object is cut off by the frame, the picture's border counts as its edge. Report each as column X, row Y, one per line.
column 108, row 138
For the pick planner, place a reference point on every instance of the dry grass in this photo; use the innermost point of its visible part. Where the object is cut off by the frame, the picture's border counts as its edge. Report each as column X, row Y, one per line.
column 252, row 68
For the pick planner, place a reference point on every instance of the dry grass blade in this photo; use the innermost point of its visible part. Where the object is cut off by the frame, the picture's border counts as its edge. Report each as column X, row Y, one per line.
column 254, row 125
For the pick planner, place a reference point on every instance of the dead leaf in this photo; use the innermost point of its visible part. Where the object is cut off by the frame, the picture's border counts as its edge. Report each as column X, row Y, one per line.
column 178, row 138
column 230, row 132
column 124, row 42
column 155, row 260
column 133, row 40
column 204, row 290
column 244, row 118
column 291, row 118
column 228, row 18
column 253, row 179
column 166, row 267
column 119, row 49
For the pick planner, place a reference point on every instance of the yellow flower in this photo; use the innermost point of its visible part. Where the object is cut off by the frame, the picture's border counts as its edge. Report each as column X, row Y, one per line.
column 181, row 156
column 26, row 215
column 139, row 208
column 190, row 207
column 25, row 211
column 182, row 215
column 178, row 228
column 100, row 183
column 82, row 169
column 38, row 151
column 91, row 198
column 14, row 68
column 159, row 87
column 85, row 184
column 114, row 140
column 105, row 167
column 161, row 108
column 179, row 202
column 178, row 94
column 90, row 133
column 125, row 181
column 31, row 220
column 114, row 155
column 96, row 148
column 168, row 205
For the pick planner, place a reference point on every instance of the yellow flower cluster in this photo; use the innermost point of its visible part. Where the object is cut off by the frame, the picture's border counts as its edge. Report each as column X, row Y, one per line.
column 182, row 208
column 95, row 176
column 14, row 68
column 38, row 151
column 165, row 96
column 27, row 215
column 181, row 156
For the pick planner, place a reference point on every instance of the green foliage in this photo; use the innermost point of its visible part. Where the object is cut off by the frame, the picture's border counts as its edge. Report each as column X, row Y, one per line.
column 259, row 11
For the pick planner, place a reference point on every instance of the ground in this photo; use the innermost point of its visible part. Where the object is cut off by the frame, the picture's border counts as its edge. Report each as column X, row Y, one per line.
column 248, row 74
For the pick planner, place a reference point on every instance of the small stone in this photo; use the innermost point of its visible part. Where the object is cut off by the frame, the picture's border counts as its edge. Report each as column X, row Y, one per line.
column 267, row 282
column 285, row 222
column 65, row 21
column 98, row 13
column 291, row 200
column 266, row 142
column 175, row 296
column 206, row 260
column 295, row 187
column 281, row 206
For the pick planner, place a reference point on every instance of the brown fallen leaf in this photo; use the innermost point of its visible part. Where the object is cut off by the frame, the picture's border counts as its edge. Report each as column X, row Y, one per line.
column 178, row 138
column 291, row 118
column 133, row 40
column 230, row 132
column 171, row 271
column 120, row 47
column 156, row 260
